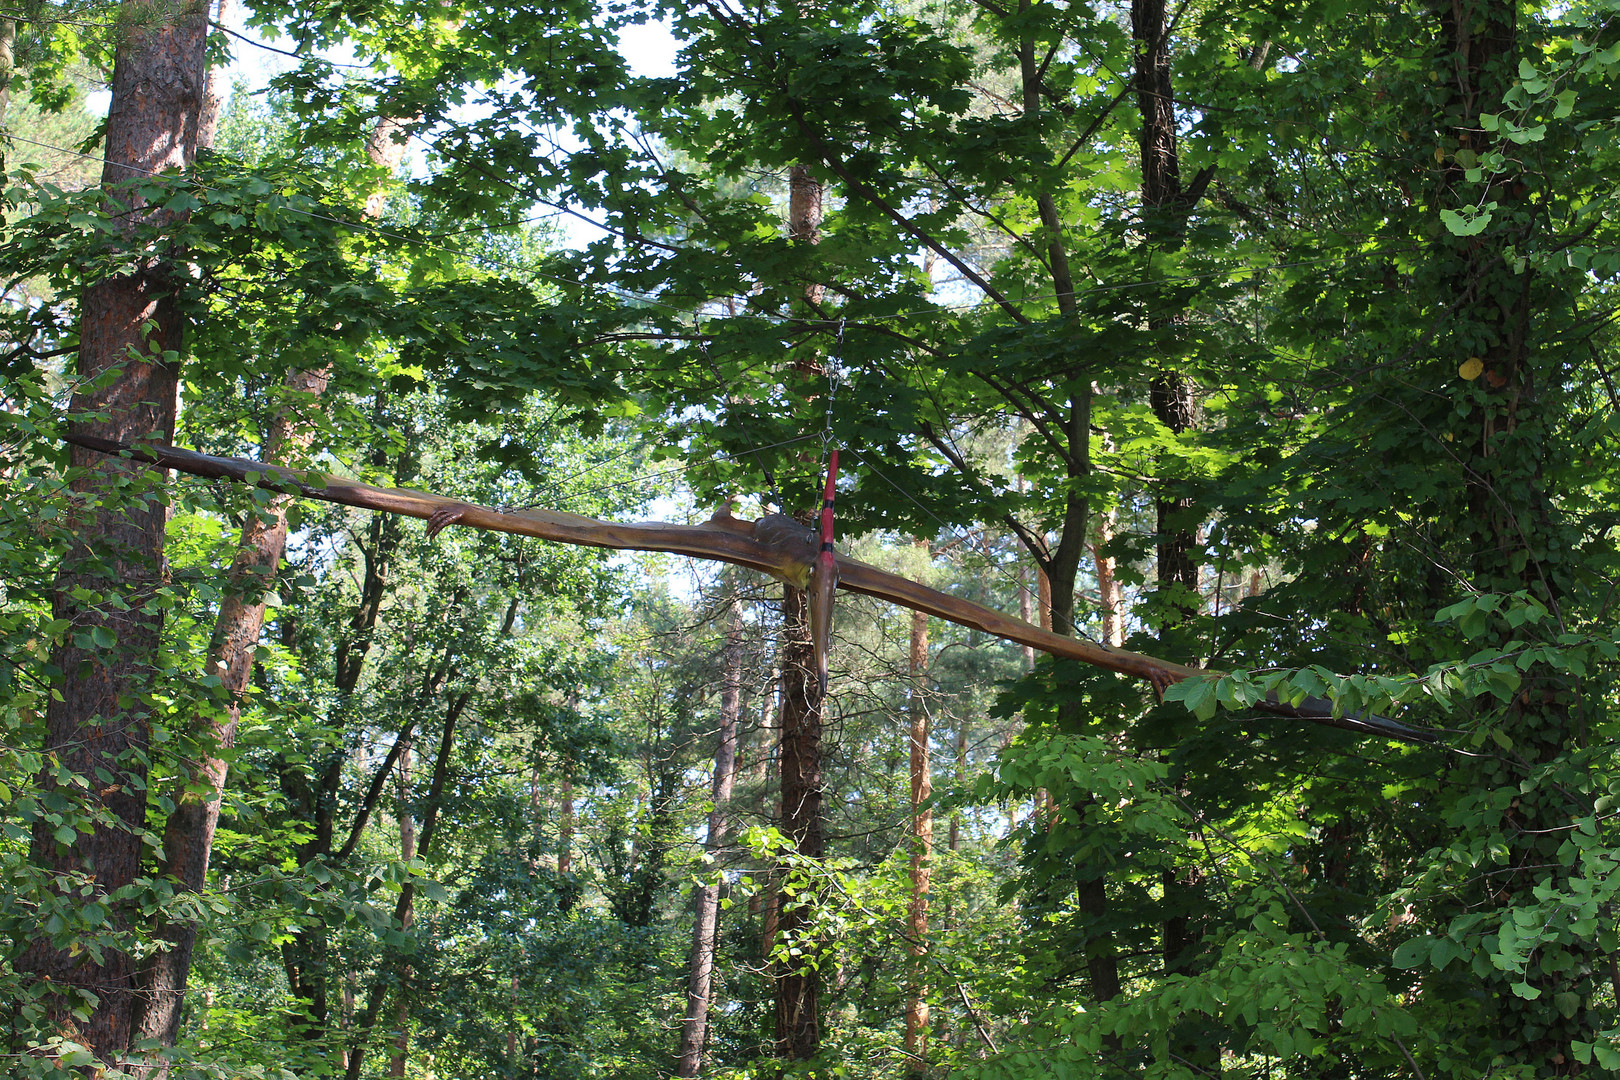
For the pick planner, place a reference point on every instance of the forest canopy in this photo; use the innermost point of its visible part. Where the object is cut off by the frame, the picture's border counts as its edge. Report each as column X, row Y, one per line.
column 1273, row 342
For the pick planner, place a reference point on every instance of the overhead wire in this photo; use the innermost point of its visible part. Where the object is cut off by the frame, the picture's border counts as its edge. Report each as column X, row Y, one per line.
column 377, row 230
column 645, row 477
column 1238, row 270
column 966, row 539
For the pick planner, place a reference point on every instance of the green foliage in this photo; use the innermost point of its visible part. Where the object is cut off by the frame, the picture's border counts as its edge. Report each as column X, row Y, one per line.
column 1394, row 297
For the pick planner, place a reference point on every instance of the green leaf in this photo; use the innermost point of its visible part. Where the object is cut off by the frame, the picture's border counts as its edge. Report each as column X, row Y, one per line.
column 1460, row 224
column 1412, row 952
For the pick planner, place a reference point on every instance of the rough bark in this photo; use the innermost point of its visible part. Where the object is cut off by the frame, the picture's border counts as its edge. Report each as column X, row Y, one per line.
column 1170, row 395
column 706, row 897
column 1511, row 534
column 407, row 852
column 922, row 850
column 385, row 149
column 953, row 840
column 188, row 834
column 129, row 346
column 1164, row 209
column 216, row 90
column 797, row 983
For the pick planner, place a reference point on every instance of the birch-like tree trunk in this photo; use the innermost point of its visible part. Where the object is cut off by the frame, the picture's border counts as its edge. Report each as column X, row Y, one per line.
column 188, row 834
column 706, row 898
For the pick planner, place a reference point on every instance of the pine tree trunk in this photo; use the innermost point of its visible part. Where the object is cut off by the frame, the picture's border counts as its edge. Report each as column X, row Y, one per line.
column 8, row 67
column 922, row 851
column 953, row 840
column 105, row 590
column 798, row 983
column 706, row 898
column 1108, row 591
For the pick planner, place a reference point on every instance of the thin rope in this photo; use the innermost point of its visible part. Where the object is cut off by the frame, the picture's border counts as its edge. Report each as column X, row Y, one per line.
column 967, row 539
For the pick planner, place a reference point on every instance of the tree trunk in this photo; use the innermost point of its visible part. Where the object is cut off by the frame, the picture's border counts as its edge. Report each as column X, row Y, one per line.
column 922, row 851
column 1061, row 564
column 407, row 852
column 565, row 824
column 188, row 834
column 798, row 983
column 1512, row 535
column 1108, row 591
column 130, row 339
column 1164, row 208
column 706, row 898
column 953, row 840
column 8, row 67
column 1170, row 395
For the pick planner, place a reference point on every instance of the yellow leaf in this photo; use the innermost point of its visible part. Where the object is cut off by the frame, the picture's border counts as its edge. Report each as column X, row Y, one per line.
column 1470, row 368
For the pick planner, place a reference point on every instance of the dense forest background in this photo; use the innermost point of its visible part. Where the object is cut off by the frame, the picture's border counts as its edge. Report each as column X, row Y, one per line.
column 1270, row 339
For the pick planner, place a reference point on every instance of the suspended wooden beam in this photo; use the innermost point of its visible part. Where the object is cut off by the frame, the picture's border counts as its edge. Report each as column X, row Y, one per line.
column 723, row 538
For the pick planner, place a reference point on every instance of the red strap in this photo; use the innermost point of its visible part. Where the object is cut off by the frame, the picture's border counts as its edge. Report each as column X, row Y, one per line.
column 827, row 502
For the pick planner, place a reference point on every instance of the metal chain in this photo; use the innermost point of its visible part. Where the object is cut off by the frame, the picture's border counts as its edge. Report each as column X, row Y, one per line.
column 834, row 376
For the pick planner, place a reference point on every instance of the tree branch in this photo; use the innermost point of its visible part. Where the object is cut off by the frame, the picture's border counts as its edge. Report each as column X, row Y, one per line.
column 722, row 538
column 865, row 190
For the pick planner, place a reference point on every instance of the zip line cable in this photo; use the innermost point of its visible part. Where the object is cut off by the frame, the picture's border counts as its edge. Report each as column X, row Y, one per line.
column 968, row 540
column 664, row 472
column 1239, row 270
column 732, row 399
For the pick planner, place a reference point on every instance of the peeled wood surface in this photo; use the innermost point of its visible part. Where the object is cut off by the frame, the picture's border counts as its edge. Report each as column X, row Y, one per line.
column 722, row 538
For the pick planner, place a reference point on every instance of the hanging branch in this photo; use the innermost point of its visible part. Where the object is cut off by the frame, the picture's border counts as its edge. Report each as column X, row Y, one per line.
column 723, row 538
